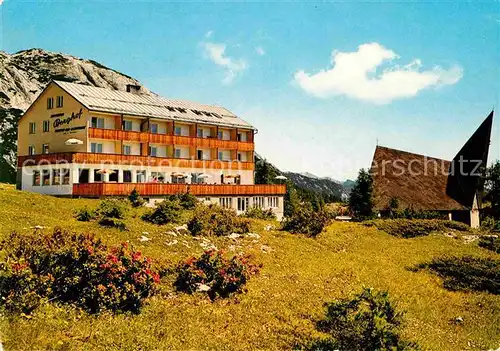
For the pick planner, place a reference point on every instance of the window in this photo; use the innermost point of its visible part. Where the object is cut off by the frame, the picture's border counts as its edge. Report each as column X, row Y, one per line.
column 31, row 150
column 50, row 103
column 220, row 135
column 98, row 176
column 177, row 153
column 243, row 203
column 272, row 201
column 96, row 148
column 127, row 125
column 56, row 177
column 178, row 131
column 97, row 122
column 221, row 156
column 238, row 137
column 200, row 133
column 127, row 176
column 196, row 179
column 127, row 149
column 113, row 176
column 154, row 128
column 45, row 177
column 157, row 177
column 239, row 156
column 32, row 128
column 178, row 179
column 46, row 126
column 36, row 178
column 45, row 148
column 200, row 154
column 152, row 151
column 258, row 201
column 226, row 202
column 141, row 177
column 59, row 101
column 65, row 176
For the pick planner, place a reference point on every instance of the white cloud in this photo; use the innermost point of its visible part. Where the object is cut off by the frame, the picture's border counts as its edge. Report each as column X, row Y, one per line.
column 207, row 34
column 216, row 52
column 260, row 51
column 359, row 75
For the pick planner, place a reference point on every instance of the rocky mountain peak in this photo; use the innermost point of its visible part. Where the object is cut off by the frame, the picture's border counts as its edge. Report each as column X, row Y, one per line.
column 24, row 74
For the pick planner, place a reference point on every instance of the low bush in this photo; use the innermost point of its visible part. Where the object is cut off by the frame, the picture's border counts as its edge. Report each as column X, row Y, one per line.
column 409, row 213
column 166, row 211
column 259, row 213
column 306, row 221
column 186, row 200
column 112, row 223
column 135, row 198
column 490, row 242
column 490, row 224
column 466, row 273
column 218, row 221
column 73, row 268
column 410, row 228
column 367, row 322
column 112, row 208
column 215, row 274
column 85, row 215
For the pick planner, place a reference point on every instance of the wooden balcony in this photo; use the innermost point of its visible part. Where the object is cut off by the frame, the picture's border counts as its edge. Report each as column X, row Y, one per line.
column 145, row 137
column 117, row 159
column 158, row 189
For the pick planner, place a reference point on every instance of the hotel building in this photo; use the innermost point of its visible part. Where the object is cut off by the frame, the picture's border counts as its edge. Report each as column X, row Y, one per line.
column 82, row 141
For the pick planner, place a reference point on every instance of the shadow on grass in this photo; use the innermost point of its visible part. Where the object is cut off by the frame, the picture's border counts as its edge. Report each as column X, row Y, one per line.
column 465, row 273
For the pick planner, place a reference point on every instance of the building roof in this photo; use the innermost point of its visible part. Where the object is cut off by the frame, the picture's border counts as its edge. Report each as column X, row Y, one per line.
column 121, row 102
column 465, row 177
column 417, row 181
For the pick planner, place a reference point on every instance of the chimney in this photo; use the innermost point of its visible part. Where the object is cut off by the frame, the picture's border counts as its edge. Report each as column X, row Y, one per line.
column 134, row 89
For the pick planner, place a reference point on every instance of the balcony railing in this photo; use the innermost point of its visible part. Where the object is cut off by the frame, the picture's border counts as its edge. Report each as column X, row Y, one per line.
column 136, row 160
column 144, row 137
column 158, row 189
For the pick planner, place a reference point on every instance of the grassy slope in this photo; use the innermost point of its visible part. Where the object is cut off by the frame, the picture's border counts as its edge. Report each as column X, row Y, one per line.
column 279, row 310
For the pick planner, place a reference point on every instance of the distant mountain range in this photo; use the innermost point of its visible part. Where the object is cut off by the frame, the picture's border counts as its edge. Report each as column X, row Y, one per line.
column 328, row 187
column 24, row 74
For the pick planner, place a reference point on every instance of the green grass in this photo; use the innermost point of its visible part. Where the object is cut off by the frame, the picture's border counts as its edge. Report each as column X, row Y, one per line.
column 282, row 304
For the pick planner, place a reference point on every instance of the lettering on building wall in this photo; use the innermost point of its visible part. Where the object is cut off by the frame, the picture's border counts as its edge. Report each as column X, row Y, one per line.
column 69, row 130
column 67, row 120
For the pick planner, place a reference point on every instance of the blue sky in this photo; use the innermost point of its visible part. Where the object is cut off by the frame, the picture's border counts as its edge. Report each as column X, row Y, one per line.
column 322, row 82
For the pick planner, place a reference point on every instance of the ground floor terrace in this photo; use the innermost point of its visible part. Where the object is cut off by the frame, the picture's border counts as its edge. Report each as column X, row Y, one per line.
column 228, row 184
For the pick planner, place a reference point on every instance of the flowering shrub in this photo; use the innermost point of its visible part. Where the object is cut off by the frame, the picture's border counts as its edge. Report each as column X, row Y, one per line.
column 259, row 213
column 216, row 220
column 167, row 211
column 215, row 274
column 73, row 268
column 306, row 221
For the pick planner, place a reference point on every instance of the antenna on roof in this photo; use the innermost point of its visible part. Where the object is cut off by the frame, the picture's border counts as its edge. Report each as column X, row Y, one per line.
column 377, row 141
